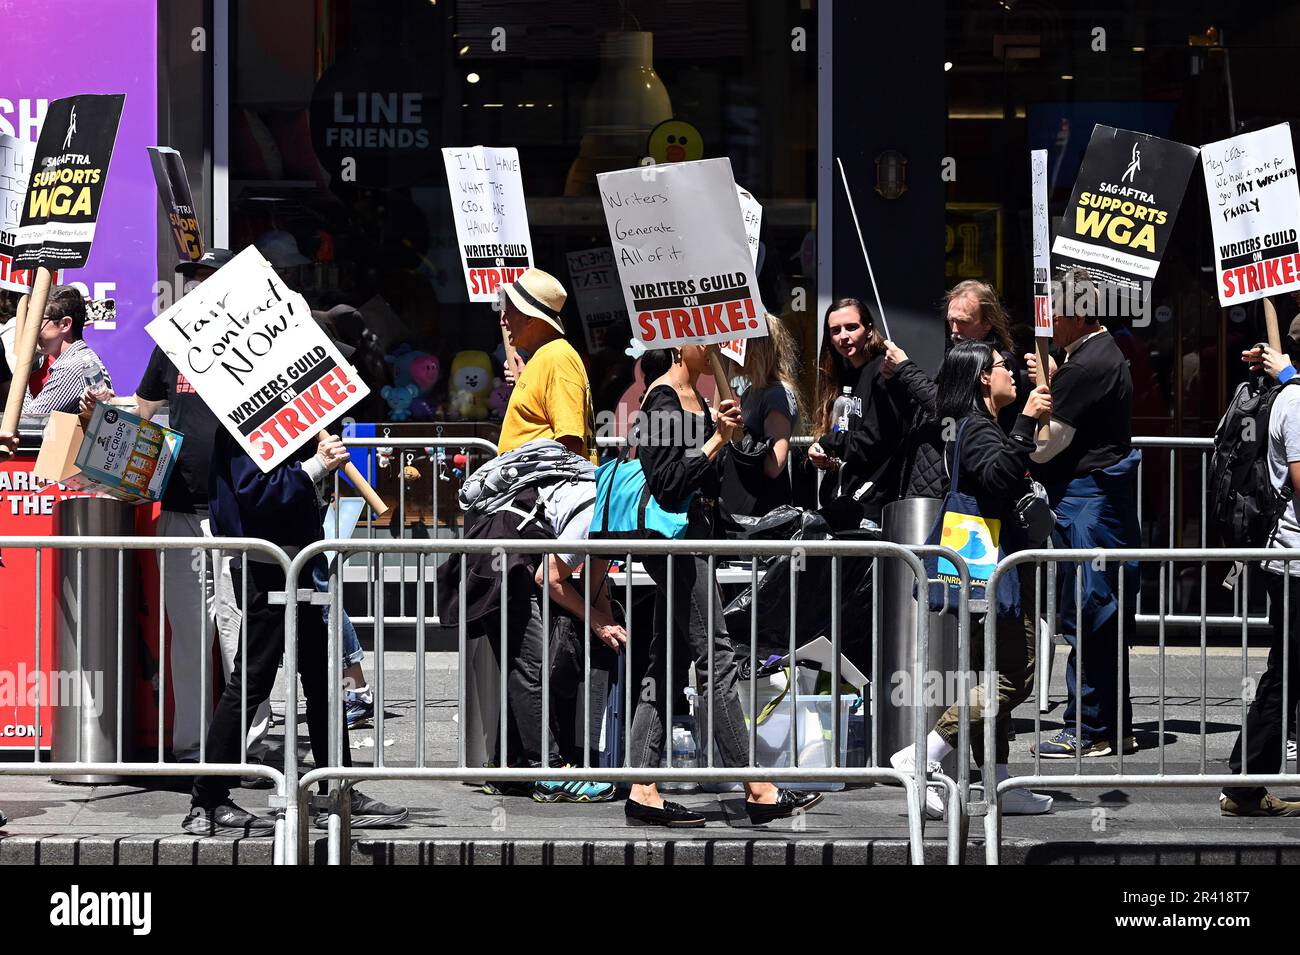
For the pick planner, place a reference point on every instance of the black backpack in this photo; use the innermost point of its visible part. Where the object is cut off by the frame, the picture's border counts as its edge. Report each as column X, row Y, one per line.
column 1244, row 507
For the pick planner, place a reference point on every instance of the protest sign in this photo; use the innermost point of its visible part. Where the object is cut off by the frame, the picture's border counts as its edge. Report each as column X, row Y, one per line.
column 251, row 349
column 174, row 191
column 593, row 278
column 1122, row 211
column 752, row 213
column 67, row 181
column 1042, row 244
column 1250, row 181
column 682, row 253
column 16, row 159
column 487, row 203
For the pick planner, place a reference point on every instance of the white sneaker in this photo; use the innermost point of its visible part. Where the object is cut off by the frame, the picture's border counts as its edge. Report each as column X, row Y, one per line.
column 1022, row 802
column 1290, row 752
column 905, row 762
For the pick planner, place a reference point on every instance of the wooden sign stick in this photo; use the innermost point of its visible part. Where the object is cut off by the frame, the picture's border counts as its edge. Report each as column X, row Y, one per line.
column 25, row 350
column 1270, row 326
column 1042, row 345
column 720, row 376
column 363, row 487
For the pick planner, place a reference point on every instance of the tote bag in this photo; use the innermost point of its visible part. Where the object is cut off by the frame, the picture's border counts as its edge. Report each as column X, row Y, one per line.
column 977, row 539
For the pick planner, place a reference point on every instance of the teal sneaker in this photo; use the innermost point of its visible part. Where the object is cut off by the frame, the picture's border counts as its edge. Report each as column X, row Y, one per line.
column 575, row 791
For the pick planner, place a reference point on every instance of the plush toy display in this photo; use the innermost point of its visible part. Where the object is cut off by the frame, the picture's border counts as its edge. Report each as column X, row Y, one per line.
column 399, row 398
column 499, row 399
column 471, row 383
column 416, row 368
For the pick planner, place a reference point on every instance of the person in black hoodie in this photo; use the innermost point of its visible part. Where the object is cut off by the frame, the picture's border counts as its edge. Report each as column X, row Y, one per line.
column 864, row 449
column 679, row 448
column 974, row 384
column 282, row 506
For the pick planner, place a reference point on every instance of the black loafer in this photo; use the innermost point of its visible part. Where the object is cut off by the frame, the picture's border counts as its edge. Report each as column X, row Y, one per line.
column 787, row 804
column 674, row 815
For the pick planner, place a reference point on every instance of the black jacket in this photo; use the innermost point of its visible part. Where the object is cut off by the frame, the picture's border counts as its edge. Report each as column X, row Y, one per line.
column 994, row 465
column 669, row 449
column 872, row 448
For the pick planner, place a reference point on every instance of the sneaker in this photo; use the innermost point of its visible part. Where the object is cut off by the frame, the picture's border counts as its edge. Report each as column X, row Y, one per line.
column 580, row 791
column 368, row 813
column 504, row 788
column 3, row 820
column 1064, row 745
column 359, row 707
column 1022, row 802
column 905, row 762
column 226, row 819
column 1290, row 751
column 1267, row 805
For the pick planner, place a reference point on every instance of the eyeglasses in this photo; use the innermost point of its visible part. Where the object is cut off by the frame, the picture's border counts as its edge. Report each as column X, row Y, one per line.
column 999, row 364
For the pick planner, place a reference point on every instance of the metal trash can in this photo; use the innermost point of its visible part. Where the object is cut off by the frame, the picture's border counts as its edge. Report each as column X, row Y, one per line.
column 92, row 594
column 908, row 522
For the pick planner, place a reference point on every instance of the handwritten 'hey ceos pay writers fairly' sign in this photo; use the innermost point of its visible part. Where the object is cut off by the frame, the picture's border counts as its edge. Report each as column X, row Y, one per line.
column 257, row 358
column 682, row 253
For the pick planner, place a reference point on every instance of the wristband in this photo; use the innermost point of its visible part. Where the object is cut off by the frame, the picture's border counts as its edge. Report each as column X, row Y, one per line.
column 1286, row 374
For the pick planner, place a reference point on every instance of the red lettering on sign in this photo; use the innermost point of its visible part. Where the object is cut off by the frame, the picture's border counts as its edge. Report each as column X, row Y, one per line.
column 712, row 315
column 287, row 417
column 681, row 322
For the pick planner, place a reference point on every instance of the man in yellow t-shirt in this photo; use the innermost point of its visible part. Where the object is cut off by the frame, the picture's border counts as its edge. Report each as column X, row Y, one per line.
column 552, row 397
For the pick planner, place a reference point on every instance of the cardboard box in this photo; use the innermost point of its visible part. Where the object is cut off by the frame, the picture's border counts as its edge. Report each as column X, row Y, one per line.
column 118, row 454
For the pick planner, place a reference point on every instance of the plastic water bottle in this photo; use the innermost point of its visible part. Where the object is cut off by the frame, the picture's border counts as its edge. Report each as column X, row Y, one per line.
column 840, row 410
column 685, row 755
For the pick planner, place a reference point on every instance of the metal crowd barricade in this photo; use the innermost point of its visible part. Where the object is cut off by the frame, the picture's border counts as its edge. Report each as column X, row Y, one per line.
column 342, row 779
column 405, row 449
column 1166, row 558
column 285, row 782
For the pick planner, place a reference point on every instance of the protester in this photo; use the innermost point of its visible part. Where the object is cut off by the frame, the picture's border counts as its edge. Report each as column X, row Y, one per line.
column 1258, row 747
column 679, row 445
column 539, row 491
column 198, row 592
column 282, row 506
column 68, row 363
column 865, row 454
column 756, row 474
column 551, row 396
column 1089, row 469
column 974, row 384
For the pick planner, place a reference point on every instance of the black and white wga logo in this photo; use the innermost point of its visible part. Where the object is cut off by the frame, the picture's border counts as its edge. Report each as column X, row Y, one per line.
column 110, row 417
column 75, row 909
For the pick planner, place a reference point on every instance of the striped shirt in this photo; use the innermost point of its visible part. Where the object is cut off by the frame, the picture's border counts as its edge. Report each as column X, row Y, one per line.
column 66, row 381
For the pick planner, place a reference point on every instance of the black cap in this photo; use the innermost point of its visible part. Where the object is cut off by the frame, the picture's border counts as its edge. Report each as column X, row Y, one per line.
column 210, row 259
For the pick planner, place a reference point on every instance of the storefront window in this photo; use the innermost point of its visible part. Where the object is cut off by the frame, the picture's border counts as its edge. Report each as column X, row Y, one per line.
column 340, row 107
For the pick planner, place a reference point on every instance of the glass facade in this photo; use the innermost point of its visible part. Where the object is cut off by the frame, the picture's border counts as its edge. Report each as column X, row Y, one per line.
column 338, row 110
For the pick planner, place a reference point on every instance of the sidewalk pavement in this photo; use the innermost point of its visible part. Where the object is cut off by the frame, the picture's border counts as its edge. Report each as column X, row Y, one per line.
column 139, row 822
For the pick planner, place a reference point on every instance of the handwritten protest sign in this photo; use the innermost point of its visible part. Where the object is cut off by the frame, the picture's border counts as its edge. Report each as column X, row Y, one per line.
column 67, row 181
column 1042, row 245
column 16, row 158
column 174, row 191
column 1250, row 181
column 1122, row 211
column 752, row 213
column 251, row 349
column 487, row 203
column 682, row 253
column 593, row 277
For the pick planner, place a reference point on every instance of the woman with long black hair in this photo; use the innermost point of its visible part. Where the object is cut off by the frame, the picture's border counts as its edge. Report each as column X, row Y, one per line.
column 679, row 448
column 974, row 384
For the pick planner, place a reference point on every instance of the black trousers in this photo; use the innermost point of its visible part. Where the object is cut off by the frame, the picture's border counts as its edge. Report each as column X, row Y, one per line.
column 1265, row 731
column 265, row 650
column 525, row 649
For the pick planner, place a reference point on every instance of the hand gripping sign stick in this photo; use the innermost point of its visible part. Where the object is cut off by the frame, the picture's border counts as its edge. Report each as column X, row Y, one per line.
column 871, row 272
column 363, row 486
column 28, row 327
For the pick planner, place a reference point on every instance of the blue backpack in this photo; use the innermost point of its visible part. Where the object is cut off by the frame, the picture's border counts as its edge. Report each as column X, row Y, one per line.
column 625, row 508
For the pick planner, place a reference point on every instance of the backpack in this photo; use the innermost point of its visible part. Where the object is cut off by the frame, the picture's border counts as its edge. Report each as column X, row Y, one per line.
column 625, row 508
column 1244, row 507
column 495, row 483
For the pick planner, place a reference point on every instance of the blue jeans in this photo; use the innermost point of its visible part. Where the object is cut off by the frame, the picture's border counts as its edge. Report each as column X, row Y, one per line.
column 352, row 652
